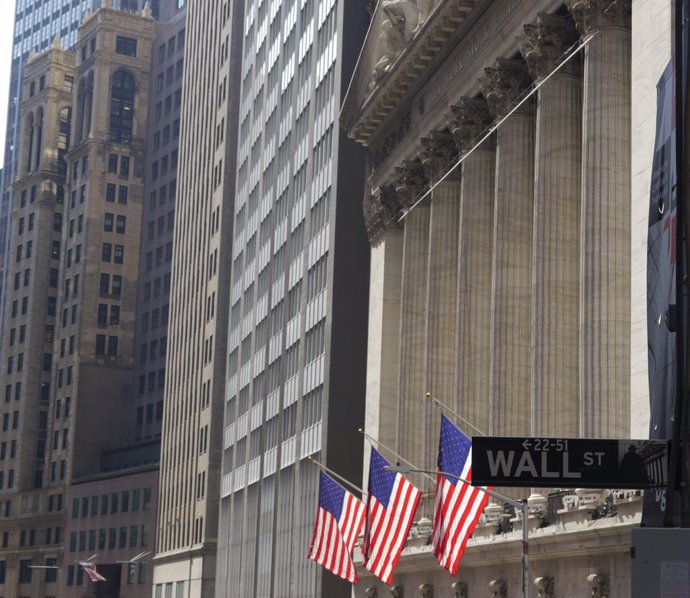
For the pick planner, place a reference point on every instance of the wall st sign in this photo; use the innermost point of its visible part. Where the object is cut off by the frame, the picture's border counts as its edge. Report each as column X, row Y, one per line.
column 569, row 462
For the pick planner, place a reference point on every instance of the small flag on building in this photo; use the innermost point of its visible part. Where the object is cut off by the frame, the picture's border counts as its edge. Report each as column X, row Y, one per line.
column 458, row 505
column 90, row 570
column 391, row 505
column 339, row 520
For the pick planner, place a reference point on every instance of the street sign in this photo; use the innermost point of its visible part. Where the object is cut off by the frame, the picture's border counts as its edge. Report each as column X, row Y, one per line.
column 569, row 462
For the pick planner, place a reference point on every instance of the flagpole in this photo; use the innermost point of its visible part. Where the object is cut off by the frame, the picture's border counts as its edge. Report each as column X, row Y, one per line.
column 336, row 476
column 392, row 452
column 454, row 414
column 516, row 504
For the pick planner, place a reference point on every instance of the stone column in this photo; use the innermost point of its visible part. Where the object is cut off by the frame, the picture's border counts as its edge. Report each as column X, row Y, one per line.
column 438, row 153
column 511, row 302
column 383, row 350
column 414, row 411
column 556, row 255
column 605, row 219
column 469, row 119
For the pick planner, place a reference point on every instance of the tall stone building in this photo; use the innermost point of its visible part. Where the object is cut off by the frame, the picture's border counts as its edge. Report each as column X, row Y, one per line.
column 296, row 344
column 74, row 484
column 35, row 29
column 498, row 209
column 187, row 532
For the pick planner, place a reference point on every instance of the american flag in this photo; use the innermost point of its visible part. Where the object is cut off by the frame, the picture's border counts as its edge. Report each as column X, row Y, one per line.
column 458, row 505
column 90, row 570
column 391, row 504
column 339, row 519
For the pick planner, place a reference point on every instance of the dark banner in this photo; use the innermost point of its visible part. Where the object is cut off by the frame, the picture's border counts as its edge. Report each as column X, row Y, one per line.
column 661, row 282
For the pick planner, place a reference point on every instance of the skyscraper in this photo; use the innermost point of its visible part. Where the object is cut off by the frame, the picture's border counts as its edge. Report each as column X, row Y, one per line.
column 297, row 330
column 69, row 345
column 35, row 28
column 196, row 347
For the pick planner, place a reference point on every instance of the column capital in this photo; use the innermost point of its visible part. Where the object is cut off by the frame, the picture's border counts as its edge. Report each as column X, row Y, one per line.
column 468, row 120
column 503, row 85
column 438, row 153
column 545, row 586
column 410, row 181
column 546, row 39
column 380, row 208
column 594, row 15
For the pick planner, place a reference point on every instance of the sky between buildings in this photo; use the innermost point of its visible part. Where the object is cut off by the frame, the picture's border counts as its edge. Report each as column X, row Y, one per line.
column 6, row 26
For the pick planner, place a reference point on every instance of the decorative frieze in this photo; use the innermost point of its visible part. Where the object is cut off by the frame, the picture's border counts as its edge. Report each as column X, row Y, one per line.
column 438, row 153
column 594, row 15
column 468, row 120
column 505, row 83
column 546, row 40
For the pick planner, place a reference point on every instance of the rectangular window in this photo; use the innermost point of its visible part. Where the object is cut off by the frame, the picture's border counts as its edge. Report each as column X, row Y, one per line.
column 121, row 224
column 116, row 290
column 124, row 166
column 108, row 222
column 112, row 163
column 110, row 193
column 122, row 193
column 106, row 252
column 104, row 286
column 126, row 45
column 100, row 344
column 119, row 256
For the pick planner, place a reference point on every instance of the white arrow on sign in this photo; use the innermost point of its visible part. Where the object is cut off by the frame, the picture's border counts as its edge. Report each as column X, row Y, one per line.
column 526, row 444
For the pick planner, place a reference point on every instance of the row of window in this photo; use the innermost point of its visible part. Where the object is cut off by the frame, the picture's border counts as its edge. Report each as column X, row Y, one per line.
column 172, row 44
column 152, row 381
column 166, row 163
column 164, row 135
column 117, row 502
column 153, row 350
column 132, row 536
column 165, row 193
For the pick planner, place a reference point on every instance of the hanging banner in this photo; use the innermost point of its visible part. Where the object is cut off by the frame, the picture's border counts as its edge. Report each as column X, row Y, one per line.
column 661, row 284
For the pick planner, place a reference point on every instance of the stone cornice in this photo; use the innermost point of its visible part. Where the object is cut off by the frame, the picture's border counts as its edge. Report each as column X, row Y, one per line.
column 402, row 54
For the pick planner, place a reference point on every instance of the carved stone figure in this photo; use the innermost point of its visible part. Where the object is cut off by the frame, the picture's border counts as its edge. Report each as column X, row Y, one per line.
column 391, row 44
column 380, row 209
column 371, row 592
column 404, row 15
column 459, row 589
column 398, row 592
column 426, row 7
column 410, row 182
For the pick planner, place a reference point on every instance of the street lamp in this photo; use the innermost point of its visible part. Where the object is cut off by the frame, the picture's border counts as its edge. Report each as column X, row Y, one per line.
column 517, row 504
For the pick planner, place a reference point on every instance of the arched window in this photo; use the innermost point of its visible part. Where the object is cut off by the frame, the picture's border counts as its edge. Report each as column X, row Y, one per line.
column 122, row 93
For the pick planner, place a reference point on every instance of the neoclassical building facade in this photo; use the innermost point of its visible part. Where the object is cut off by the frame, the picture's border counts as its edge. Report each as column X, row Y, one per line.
column 507, row 260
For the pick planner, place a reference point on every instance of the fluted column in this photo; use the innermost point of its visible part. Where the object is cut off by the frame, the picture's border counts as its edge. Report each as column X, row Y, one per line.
column 469, row 119
column 438, row 153
column 413, row 413
column 383, row 345
column 556, row 255
column 605, row 220
column 512, row 260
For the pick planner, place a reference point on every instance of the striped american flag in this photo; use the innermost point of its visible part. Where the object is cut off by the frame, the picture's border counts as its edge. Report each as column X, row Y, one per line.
column 90, row 570
column 339, row 520
column 391, row 505
column 458, row 505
